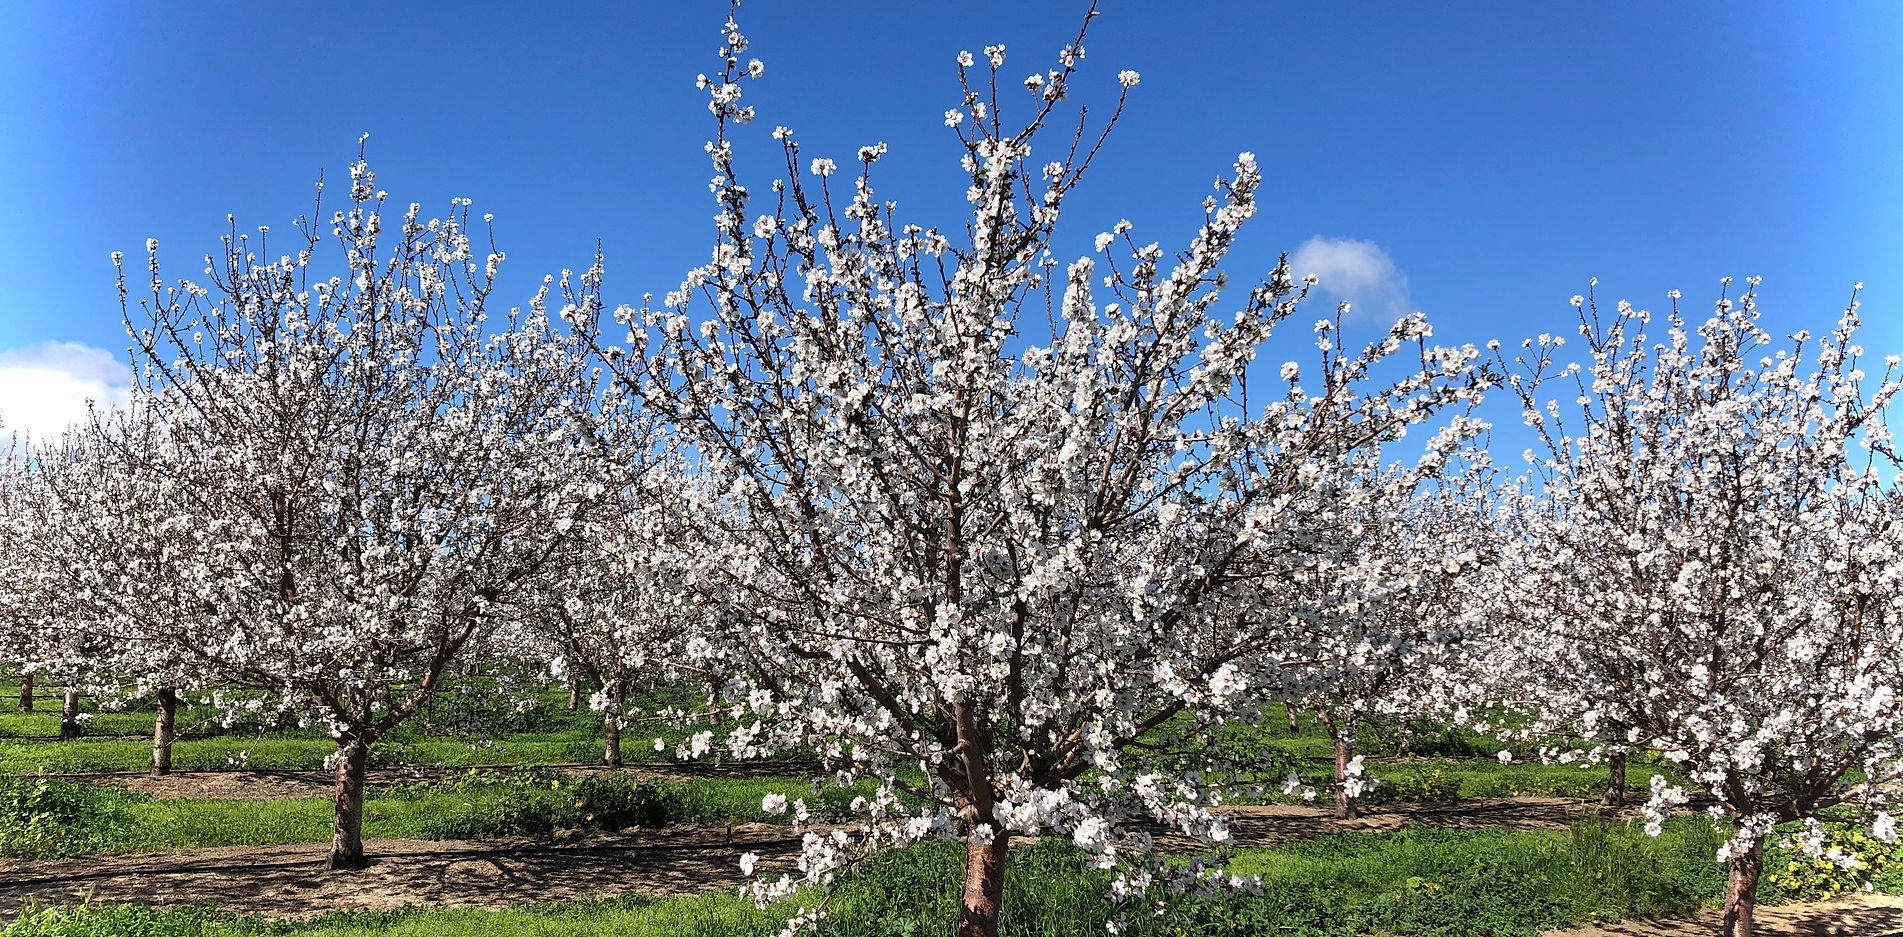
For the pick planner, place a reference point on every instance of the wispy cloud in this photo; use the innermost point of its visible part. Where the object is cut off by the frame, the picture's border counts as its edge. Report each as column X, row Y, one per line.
column 44, row 388
column 1356, row 272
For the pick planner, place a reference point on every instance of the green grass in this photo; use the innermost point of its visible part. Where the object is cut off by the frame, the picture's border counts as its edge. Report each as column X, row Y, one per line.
column 709, row 915
column 461, row 726
column 1429, row 779
column 443, row 732
column 308, row 749
column 1444, row 762
column 1451, row 759
column 1433, row 883
column 45, row 818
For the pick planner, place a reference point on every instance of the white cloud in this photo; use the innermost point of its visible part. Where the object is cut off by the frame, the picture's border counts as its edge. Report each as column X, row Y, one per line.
column 44, row 388
column 1356, row 272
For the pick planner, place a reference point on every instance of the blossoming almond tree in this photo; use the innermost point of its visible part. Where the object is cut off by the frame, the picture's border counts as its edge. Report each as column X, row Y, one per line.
column 1705, row 554
column 976, row 522
column 1382, row 624
column 58, row 520
column 347, row 477
column 619, row 608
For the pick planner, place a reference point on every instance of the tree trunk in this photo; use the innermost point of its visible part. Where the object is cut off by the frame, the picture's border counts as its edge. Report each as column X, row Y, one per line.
column 984, row 886
column 346, row 842
column 1741, row 892
column 574, row 693
column 1294, row 723
column 611, row 723
column 1615, row 785
column 69, row 715
column 1345, row 806
column 26, row 692
column 163, row 730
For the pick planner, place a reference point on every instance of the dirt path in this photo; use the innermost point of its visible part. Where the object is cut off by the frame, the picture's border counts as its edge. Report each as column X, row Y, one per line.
column 289, row 881
column 1856, row 915
column 284, row 784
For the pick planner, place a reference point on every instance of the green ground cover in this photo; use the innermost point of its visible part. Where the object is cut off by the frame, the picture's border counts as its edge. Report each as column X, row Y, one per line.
column 476, row 725
column 469, row 726
column 1417, row 761
column 1414, row 882
column 1421, row 780
column 44, row 818
column 308, row 751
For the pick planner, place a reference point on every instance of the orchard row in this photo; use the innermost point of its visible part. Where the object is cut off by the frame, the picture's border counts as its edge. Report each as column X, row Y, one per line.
column 1006, row 536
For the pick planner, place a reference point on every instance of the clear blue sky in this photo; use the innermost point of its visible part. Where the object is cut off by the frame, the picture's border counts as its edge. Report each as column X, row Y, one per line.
column 1499, row 154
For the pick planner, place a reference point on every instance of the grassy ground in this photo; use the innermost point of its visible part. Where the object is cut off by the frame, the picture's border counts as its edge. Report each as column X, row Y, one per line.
column 279, row 751
column 476, row 725
column 466, row 727
column 1446, row 764
column 1437, row 779
column 44, row 818
column 1415, row 882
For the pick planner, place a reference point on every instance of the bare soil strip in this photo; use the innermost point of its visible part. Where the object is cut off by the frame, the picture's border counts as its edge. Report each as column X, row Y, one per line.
column 1857, row 915
column 291, row 881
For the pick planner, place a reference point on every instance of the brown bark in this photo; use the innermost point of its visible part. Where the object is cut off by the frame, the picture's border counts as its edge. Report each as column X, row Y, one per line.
column 346, row 842
column 1346, row 808
column 574, row 693
column 1294, row 723
column 611, row 745
column 69, row 715
column 1615, row 784
column 1741, row 891
column 1344, row 737
column 984, row 886
column 611, row 723
column 26, row 692
column 164, row 729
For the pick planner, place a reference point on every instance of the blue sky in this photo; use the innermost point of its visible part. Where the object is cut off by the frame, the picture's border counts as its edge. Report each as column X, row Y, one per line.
column 1492, row 157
